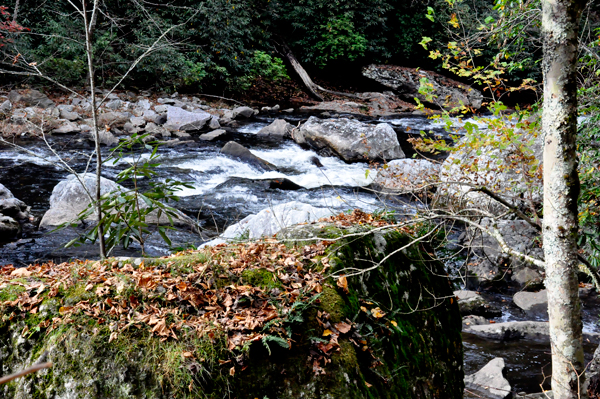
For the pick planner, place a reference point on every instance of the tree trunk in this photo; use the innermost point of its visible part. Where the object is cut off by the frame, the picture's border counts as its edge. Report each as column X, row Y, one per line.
column 310, row 85
column 16, row 12
column 560, row 23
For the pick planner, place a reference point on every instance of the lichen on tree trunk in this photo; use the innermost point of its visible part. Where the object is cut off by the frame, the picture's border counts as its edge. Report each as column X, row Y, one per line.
column 561, row 189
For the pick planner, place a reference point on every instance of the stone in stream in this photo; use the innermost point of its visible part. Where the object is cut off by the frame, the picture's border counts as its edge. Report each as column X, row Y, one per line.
column 13, row 213
column 270, row 220
column 517, row 330
column 69, row 198
column 489, row 381
column 243, row 154
column 67, row 128
column 6, row 106
column 245, row 112
column 534, row 304
column 471, row 303
column 349, row 139
column 279, row 129
column 215, row 134
column 180, row 119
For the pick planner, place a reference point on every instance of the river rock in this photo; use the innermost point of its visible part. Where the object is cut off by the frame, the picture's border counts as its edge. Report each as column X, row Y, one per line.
column 112, row 119
column 534, row 304
column 9, row 228
column 406, row 82
column 279, row 129
column 349, row 139
column 517, row 330
column 105, row 137
column 180, row 119
column 6, row 106
column 69, row 198
column 114, row 104
column 270, row 220
column 243, row 154
column 491, row 166
column 471, row 303
column 214, row 123
column 405, row 175
column 490, row 263
column 490, row 381
column 244, row 112
column 31, row 97
column 215, row 134
column 143, row 104
column 67, row 128
column 15, row 208
column 69, row 115
column 5, row 193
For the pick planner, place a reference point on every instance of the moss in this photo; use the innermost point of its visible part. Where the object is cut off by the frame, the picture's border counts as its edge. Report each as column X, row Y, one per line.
column 331, row 302
column 12, row 292
column 261, row 278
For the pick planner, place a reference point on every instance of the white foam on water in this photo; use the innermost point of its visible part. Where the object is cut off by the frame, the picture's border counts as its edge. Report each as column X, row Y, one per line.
column 252, row 128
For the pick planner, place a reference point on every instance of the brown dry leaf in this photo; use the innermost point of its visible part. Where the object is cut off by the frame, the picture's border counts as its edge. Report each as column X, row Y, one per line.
column 101, row 291
column 343, row 327
column 113, row 336
column 342, row 282
column 368, row 385
column 22, row 272
column 232, row 371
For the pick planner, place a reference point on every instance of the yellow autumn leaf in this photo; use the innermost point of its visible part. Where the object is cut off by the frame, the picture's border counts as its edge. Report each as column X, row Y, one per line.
column 394, row 323
column 378, row 313
column 327, row 333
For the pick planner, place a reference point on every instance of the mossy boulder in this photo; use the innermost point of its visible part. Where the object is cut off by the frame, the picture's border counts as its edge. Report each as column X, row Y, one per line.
column 365, row 316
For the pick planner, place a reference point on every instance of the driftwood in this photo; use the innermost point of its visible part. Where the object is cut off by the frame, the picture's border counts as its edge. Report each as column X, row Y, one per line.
column 312, row 87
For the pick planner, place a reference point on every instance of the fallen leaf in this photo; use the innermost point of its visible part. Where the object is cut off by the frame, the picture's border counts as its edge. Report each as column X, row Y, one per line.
column 232, row 371
column 342, row 282
column 368, row 385
column 377, row 313
column 394, row 323
column 343, row 327
column 188, row 355
column 22, row 272
column 327, row 333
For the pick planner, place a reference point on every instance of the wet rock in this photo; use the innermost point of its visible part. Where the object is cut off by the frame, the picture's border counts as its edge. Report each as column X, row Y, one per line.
column 15, row 208
column 106, row 138
column 471, row 303
column 180, row 119
column 270, row 220
column 349, row 139
column 534, row 304
column 490, row 381
column 490, row 263
column 215, row 134
column 528, row 278
column 243, row 154
column 244, row 112
column 67, row 128
column 539, row 395
column 31, row 97
column 214, row 123
column 69, row 198
column 283, row 184
column 517, row 330
column 405, row 175
column 9, row 228
column 406, row 82
column 473, row 320
column 5, row 193
column 279, row 129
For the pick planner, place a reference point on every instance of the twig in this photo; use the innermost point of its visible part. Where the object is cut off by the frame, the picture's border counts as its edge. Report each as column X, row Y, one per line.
column 32, row 369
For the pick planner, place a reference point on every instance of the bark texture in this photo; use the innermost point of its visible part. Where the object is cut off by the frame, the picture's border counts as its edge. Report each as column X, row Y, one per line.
column 561, row 189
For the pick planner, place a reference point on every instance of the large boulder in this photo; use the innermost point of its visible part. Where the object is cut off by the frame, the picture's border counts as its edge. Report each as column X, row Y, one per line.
column 253, row 320
column 238, row 151
column 405, row 175
column 472, row 303
column 9, row 228
column 489, row 262
column 30, row 97
column 534, row 304
column 349, row 139
column 520, row 330
column 509, row 168
column 406, row 82
column 72, row 196
column 180, row 119
column 13, row 214
column 271, row 220
column 490, row 381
